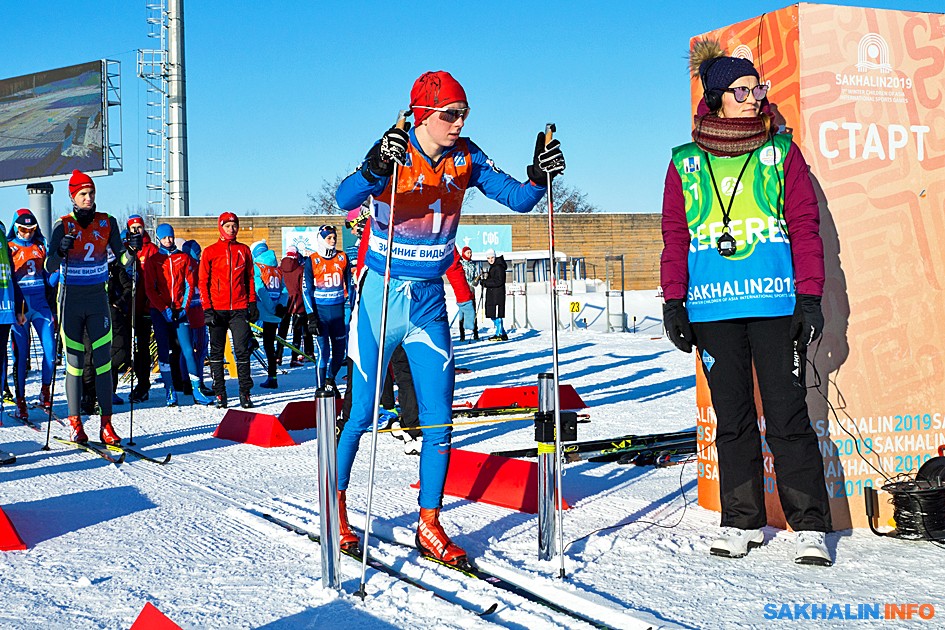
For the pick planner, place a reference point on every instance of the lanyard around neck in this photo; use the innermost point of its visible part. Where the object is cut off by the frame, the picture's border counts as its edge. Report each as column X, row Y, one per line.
column 727, row 211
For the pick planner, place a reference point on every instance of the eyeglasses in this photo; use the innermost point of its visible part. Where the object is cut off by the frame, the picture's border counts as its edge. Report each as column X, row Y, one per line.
column 449, row 115
column 741, row 93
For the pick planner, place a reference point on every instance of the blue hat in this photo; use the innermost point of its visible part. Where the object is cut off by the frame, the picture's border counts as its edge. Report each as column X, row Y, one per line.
column 164, row 230
column 191, row 248
column 258, row 248
column 721, row 72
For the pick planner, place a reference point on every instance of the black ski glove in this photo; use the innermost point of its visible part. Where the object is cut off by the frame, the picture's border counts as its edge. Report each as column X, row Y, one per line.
column 252, row 312
column 808, row 320
column 210, row 317
column 280, row 310
column 135, row 241
column 547, row 160
column 67, row 243
column 313, row 325
column 676, row 321
column 392, row 148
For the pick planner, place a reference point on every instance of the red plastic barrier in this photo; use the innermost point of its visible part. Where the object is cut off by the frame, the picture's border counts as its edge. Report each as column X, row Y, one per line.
column 301, row 414
column 503, row 481
column 9, row 538
column 527, row 396
column 260, row 429
column 150, row 618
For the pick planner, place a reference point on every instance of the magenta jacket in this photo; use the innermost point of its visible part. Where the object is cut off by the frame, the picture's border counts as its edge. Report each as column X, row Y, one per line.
column 801, row 212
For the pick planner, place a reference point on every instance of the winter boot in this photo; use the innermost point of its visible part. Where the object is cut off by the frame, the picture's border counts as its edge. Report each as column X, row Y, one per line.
column 21, row 410
column 294, row 363
column 140, row 394
column 45, row 399
column 199, row 397
column 349, row 540
column 171, row 397
column 168, row 380
column 7, row 396
column 78, row 433
column 107, row 432
column 432, row 541
column 270, row 383
column 810, row 548
column 332, row 387
column 206, row 391
column 412, row 445
column 736, row 543
column 245, row 401
column 221, row 402
column 117, row 400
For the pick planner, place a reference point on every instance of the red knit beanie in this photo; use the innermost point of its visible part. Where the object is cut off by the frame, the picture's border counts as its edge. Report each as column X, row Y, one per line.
column 78, row 181
column 434, row 89
column 226, row 217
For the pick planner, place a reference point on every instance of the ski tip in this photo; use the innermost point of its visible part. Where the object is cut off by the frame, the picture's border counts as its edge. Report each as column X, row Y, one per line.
column 491, row 609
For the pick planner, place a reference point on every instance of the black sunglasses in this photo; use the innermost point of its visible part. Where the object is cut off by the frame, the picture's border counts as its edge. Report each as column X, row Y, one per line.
column 741, row 93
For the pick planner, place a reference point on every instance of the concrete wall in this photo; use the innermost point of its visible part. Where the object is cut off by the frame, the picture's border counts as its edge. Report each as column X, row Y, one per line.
column 594, row 236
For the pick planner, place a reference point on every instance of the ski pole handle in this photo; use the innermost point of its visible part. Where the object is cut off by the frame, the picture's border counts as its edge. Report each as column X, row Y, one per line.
column 550, row 129
column 402, row 118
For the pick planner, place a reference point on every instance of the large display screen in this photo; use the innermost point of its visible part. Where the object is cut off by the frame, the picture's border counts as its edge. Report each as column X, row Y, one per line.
column 51, row 123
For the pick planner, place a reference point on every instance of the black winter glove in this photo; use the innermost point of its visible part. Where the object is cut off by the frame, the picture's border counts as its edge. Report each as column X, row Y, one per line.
column 392, row 148
column 67, row 243
column 280, row 310
column 252, row 312
column 313, row 325
column 676, row 321
column 547, row 160
column 808, row 320
column 210, row 317
column 135, row 241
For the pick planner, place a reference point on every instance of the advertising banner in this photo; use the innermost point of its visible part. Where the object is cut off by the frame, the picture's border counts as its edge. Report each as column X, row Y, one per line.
column 863, row 92
column 53, row 122
column 479, row 238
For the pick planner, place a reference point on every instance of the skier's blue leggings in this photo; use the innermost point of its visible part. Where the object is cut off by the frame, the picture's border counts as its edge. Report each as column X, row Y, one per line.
column 416, row 318
column 162, row 332
column 39, row 316
column 333, row 337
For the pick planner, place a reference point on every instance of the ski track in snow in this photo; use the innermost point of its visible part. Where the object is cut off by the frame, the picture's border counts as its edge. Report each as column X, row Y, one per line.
column 105, row 539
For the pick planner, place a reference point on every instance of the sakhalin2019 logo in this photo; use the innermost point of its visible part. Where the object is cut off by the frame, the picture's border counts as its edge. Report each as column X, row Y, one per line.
column 872, row 53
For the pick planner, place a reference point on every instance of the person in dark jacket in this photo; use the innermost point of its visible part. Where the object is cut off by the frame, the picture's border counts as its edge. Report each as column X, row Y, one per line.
column 229, row 303
column 292, row 272
column 742, row 272
column 494, row 282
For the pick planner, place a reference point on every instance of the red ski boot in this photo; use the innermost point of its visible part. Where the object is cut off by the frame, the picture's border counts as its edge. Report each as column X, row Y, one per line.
column 45, row 400
column 433, row 542
column 78, row 433
column 107, row 433
column 349, row 540
column 21, row 410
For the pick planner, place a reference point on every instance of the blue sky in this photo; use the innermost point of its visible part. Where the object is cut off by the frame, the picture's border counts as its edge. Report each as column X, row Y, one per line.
column 283, row 95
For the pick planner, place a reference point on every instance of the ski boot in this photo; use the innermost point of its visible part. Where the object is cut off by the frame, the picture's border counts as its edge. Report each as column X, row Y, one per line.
column 117, row 400
column 45, row 399
column 294, row 363
column 270, row 383
column 78, row 433
column 433, row 542
column 245, row 401
column 206, row 391
column 171, row 397
column 412, row 445
column 21, row 410
column 140, row 394
column 349, row 540
column 7, row 396
column 332, row 387
column 221, row 402
column 199, row 397
column 107, row 432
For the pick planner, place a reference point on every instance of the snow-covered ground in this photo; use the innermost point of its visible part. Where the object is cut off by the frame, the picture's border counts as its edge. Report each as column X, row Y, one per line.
column 104, row 539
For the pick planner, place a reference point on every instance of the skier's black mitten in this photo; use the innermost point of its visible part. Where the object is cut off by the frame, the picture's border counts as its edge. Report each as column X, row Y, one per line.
column 135, row 241
column 313, row 325
column 547, row 160
column 808, row 320
column 676, row 321
column 67, row 243
column 380, row 159
column 252, row 312
column 210, row 317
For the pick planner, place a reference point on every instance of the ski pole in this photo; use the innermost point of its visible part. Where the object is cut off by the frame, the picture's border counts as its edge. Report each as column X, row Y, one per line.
column 559, row 508
column 379, row 375
column 59, row 307
column 134, row 349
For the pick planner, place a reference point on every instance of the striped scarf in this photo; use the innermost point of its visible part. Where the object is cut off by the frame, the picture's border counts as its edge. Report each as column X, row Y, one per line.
column 728, row 137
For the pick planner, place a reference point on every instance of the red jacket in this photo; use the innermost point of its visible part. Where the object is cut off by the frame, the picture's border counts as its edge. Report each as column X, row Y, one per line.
column 292, row 278
column 169, row 280
column 226, row 276
column 148, row 249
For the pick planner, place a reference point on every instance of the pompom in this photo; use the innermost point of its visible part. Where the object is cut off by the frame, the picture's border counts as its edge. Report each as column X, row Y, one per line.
column 702, row 51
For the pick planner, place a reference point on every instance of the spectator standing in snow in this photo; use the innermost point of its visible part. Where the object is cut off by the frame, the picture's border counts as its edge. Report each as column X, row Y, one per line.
column 292, row 272
column 472, row 278
column 141, row 248
column 494, row 282
column 271, row 299
column 229, row 304
column 735, row 141
column 439, row 166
